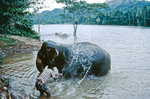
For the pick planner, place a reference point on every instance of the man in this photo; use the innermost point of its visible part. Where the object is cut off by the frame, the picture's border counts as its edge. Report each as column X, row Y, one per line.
column 43, row 78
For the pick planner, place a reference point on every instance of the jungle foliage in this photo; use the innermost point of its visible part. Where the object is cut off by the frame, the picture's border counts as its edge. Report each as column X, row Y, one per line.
column 15, row 18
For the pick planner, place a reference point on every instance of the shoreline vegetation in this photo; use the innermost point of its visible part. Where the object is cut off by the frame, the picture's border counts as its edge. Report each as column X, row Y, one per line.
column 15, row 20
column 94, row 25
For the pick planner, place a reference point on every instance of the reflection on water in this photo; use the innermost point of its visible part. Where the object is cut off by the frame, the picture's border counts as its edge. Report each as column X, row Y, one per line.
column 130, row 70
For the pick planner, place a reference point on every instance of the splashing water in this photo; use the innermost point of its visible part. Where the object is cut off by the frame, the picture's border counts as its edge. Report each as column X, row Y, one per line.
column 78, row 84
column 80, row 62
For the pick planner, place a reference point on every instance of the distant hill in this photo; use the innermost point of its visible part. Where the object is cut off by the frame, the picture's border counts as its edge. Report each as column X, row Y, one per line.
column 132, row 4
column 48, row 17
column 113, row 3
column 126, row 4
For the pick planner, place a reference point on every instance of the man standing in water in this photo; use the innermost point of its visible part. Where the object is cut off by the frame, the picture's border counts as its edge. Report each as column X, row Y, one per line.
column 49, row 71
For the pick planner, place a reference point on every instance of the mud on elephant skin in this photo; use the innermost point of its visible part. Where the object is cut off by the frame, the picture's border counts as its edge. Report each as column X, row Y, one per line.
column 74, row 59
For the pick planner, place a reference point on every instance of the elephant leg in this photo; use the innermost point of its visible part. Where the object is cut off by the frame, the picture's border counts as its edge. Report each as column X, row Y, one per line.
column 99, row 69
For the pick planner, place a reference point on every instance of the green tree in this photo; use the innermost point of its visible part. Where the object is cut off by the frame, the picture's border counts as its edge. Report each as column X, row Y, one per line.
column 15, row 17
column 36, row 7
column 77, row 10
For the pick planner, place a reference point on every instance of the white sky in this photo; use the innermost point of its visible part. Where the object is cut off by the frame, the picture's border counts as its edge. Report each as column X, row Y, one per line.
column 51, row 4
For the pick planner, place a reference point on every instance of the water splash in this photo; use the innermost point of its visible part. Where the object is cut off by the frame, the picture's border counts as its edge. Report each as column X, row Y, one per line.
column 79, row 83
column 81, row 60
column 80, row 64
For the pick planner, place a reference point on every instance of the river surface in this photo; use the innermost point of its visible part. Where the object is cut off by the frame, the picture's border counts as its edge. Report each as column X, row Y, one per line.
column 129, row 77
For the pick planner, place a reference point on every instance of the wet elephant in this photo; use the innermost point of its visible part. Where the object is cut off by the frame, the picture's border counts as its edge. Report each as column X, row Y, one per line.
column 75, row 59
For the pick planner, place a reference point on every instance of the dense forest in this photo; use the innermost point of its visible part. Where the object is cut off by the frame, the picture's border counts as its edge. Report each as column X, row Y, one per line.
column 14, row 18
column 132, row 13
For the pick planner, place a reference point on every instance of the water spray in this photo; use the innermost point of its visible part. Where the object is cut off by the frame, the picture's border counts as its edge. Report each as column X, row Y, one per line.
column 79, row 83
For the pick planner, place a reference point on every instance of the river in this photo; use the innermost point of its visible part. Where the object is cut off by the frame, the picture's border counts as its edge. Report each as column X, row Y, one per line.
column 129, row 77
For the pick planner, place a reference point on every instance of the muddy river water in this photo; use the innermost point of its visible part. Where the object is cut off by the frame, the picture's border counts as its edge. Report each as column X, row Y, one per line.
column 129, row 77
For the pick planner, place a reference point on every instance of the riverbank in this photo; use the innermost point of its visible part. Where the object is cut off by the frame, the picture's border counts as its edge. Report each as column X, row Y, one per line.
column 22, row 44
column 15, row 44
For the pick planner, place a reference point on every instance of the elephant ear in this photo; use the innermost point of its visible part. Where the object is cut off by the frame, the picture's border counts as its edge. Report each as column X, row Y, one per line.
column 43, row 48
column 42, row 51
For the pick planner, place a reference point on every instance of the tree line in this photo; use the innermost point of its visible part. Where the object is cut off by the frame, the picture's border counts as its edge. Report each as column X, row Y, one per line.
column 131, row 17
column 138, row 15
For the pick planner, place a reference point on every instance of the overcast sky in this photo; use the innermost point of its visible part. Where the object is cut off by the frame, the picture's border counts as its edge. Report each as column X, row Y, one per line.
column 51, row 4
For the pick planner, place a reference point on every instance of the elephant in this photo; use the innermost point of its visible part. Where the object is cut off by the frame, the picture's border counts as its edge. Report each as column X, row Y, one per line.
column 74, row 59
